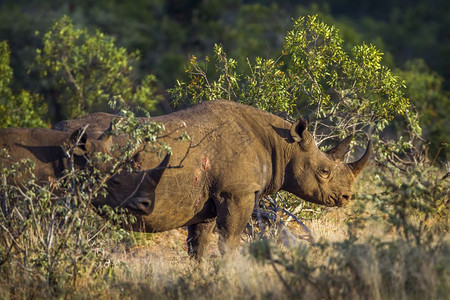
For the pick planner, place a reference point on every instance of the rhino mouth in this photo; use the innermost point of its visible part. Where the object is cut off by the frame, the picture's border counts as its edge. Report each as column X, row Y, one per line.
column 331, row 201
column 139, row 206
column 334, row 200
column 337, row 200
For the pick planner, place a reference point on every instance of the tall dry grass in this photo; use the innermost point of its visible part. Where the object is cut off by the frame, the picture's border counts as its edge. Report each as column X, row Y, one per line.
column 391, row 242
column 381, row 267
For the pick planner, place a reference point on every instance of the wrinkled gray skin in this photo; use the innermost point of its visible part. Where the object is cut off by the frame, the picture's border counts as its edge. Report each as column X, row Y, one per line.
column 237, row 155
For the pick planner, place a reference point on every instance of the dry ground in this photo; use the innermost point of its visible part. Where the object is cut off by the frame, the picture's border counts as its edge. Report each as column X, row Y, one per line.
column 372, row 264
column 160, row 268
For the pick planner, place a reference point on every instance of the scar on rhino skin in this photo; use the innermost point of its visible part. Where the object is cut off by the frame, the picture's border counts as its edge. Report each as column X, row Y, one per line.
column 206, row 165
column 197, row 176
column 197, row 202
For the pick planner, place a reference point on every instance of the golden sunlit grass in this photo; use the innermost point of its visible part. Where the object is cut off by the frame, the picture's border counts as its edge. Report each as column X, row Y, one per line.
column 356, row 254
column 162, row 269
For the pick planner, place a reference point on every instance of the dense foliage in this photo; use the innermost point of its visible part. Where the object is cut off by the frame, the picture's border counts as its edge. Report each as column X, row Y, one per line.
column 314, row 75
column 22, row 109
column 86, row 71
column 166, row 32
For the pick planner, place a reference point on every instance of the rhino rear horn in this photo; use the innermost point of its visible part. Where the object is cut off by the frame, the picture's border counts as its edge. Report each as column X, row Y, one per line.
column 154, row 176
column 338, row 153
column 300, row 134
column 359, row 165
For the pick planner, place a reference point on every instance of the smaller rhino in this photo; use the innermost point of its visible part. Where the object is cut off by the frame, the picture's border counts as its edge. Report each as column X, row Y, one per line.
column 44, row 147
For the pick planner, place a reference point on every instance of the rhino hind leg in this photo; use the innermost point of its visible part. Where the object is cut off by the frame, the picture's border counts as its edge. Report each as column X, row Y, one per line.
column 199, row 237
column 232, row 216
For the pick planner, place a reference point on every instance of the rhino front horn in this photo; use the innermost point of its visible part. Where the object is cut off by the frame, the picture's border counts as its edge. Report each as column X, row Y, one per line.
column 358, row 166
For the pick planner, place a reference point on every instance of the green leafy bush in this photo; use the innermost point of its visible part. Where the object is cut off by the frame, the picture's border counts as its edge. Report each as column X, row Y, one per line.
column 87, row 70
column 51, row 239
column 17, row 110
column 344, row 92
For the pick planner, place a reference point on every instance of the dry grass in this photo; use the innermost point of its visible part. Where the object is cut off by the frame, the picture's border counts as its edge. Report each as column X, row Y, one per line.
column 161, row 269
column 176, row 276
column 346, row 262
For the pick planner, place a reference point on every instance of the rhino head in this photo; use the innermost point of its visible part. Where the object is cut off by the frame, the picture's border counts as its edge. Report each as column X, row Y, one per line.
column 136, row 186
column 320, row 177
column 84, row 147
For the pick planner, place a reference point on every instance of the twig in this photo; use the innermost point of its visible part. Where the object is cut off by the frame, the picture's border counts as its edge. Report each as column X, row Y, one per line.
column 295, row 218
column 173, row 131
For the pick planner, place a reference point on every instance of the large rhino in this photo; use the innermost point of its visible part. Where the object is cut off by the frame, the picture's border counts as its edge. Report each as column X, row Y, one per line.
column 237, row 154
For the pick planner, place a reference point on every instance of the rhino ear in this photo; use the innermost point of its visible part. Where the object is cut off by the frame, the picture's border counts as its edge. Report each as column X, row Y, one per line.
column 111, row 128
column 79, row 142
column 300, row 134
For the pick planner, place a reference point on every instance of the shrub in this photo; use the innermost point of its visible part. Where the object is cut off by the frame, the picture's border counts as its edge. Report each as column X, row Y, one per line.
column 86, row 71
column 51, row 238
column 17, row 110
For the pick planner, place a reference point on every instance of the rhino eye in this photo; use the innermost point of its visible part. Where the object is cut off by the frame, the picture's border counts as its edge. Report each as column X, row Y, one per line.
column 115, row 182
column 324, row 172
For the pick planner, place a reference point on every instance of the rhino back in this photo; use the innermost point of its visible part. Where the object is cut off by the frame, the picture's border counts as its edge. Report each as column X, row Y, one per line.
column 40, row 145
column 98, row 122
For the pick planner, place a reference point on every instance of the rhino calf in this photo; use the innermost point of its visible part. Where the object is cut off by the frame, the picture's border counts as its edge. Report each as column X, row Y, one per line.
column 237, row 154
column 44, row 147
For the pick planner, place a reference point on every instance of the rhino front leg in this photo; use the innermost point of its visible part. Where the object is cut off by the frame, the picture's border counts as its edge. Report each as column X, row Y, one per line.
column 199, row 237
column 233, row 213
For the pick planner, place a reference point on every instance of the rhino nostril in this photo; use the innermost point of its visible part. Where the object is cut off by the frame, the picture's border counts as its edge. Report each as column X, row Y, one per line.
column 145, row 205
column 346, row 197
